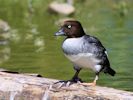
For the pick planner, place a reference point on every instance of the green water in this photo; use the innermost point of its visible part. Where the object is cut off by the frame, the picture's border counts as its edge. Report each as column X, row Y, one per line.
column 33, row 48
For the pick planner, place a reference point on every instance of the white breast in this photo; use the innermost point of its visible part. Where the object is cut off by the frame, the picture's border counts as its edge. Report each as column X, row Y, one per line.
column 72, row 44
column 85, row 60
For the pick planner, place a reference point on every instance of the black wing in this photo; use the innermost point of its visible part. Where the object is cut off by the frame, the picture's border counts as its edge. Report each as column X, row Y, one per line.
column 94, row 46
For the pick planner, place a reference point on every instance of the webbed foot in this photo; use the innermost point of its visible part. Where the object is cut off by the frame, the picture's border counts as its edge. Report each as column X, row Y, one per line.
column 68, row 82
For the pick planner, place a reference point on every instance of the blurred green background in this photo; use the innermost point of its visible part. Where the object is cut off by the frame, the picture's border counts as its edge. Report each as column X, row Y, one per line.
column 32, row 48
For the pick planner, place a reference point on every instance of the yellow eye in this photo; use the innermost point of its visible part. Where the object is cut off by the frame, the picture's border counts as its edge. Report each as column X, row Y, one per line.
column 69, row 26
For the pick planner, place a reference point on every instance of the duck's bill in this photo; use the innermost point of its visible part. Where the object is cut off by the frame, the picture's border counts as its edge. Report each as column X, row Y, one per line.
column 60, row 33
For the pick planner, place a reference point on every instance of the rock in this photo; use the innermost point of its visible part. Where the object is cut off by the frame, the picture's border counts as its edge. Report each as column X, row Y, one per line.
column 70, row 2
column 62, row 8
column 4, row 41
column 4, row 32
column 4, row 27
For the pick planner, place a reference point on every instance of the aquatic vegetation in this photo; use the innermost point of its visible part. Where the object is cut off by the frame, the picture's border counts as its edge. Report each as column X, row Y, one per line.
column 121, row 7
column 39, row 44
column 15, row 36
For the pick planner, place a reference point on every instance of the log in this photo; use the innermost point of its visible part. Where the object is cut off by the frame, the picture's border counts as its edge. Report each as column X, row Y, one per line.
column 14, row 86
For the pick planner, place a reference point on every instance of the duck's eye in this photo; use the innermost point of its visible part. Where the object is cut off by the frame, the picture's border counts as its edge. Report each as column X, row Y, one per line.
column 69, row 26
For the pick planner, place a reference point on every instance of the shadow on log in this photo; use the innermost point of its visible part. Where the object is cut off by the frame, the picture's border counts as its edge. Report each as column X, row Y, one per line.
column 15, row 86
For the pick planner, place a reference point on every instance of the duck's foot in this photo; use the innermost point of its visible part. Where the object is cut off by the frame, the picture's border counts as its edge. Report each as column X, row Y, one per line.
column 68, row 82
column 89, row 84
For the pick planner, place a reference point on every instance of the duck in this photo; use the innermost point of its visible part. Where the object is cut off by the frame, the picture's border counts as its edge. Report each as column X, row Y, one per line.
column 84, row 52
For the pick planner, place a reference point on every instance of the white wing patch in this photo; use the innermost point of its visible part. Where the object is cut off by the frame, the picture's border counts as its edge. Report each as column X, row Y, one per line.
column 106, row 53
column 97, row 68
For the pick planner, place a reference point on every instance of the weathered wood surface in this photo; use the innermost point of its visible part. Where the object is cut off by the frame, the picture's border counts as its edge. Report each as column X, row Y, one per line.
column 15, row 86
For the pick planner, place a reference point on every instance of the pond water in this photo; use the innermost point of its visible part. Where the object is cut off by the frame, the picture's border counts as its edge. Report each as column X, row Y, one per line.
column 32, row 47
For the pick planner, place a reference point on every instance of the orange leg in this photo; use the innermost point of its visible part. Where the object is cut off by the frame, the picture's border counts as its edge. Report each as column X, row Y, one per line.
column 91, row 84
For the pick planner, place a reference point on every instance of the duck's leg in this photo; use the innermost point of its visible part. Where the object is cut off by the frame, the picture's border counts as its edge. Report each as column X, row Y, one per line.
column 91, row 84
column 75, row 78
column 98, row 69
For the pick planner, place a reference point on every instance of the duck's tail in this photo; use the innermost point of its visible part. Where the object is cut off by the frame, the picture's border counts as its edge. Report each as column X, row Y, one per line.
column 109, row 71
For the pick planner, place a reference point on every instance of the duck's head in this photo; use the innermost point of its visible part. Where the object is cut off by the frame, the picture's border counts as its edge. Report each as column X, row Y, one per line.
column 71, row 29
